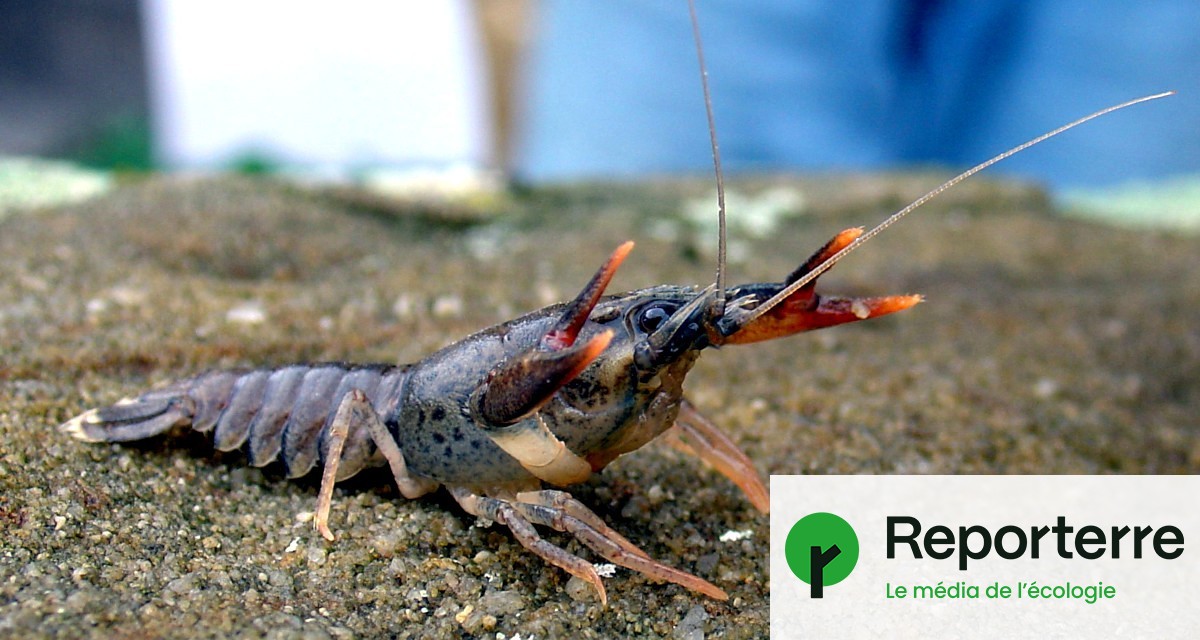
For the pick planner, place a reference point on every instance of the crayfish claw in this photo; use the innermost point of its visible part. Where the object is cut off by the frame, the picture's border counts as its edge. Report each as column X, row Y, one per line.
column 516, row 389
column 566, row 330
column 817, row 312
column 767, row 311
column 836, row 244
column 520, row 385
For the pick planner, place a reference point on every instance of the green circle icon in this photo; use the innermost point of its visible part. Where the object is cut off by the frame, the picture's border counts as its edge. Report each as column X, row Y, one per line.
column 814, row 537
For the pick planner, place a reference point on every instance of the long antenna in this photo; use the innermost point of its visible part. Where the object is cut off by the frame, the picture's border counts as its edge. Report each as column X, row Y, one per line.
column 892, row 219
column 716, row 152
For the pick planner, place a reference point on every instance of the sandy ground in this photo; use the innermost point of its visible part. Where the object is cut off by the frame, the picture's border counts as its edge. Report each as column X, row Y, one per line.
column 1046, row 345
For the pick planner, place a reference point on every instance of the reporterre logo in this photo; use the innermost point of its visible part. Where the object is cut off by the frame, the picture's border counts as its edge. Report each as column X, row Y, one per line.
column 821, row 549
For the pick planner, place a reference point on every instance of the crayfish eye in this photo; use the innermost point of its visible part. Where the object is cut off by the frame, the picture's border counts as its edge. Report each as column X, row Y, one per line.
column 653, row 315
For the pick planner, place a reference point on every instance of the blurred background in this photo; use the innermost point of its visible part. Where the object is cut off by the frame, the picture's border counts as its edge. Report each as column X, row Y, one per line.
column 551, row 90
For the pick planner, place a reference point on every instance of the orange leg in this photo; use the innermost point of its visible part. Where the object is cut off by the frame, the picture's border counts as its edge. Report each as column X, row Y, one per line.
column 561, row 512
column 696, row 435
column 355, row 410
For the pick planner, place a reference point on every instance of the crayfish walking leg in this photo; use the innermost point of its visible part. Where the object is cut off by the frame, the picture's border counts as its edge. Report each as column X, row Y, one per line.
column 562, row 513
column 356, row 409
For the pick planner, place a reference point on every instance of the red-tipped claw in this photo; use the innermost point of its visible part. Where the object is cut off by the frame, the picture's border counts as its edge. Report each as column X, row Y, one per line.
column 523, row 383
column 576, row 314
column 806, row 310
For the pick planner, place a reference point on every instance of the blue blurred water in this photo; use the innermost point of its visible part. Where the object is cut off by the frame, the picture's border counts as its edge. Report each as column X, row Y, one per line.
column 613, row 87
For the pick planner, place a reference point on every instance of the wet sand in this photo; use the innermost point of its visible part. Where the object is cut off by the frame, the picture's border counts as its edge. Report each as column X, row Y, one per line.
column 1046, row 345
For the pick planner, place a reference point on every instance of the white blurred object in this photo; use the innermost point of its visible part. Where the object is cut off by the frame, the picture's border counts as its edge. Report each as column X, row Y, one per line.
column 321, row 88
column 31, row 183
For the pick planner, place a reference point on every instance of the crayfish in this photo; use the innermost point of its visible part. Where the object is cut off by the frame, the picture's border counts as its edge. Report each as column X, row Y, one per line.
column 550, row 397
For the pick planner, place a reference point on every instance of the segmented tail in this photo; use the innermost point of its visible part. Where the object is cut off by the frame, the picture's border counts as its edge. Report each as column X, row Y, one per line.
column 275, row 414
column 150, row 414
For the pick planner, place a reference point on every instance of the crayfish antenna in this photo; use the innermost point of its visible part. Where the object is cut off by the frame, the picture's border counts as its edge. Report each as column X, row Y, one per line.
column 833, row 259
column 717, row 308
